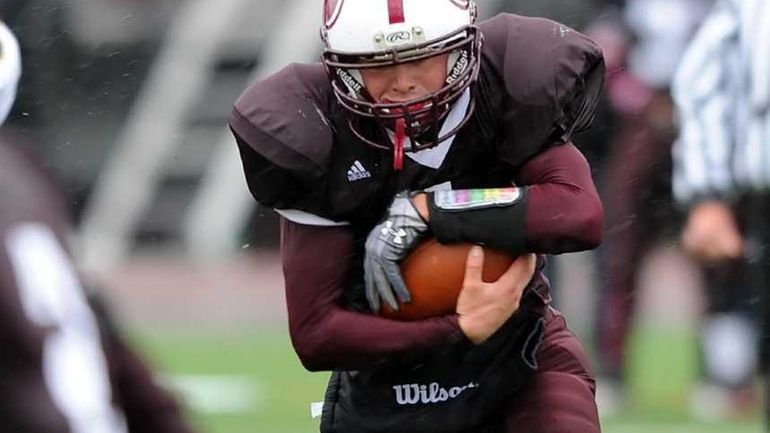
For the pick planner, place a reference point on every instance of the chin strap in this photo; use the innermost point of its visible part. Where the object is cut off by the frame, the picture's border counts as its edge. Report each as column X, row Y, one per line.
column 398, row 145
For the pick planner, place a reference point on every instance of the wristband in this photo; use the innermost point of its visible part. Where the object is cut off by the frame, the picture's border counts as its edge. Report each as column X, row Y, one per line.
column 492, row 217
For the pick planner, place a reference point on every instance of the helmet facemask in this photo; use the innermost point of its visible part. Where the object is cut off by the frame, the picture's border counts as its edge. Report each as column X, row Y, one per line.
column 419, row 119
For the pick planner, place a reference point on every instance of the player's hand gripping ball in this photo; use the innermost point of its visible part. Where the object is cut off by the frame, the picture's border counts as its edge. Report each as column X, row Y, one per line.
column 434, row 275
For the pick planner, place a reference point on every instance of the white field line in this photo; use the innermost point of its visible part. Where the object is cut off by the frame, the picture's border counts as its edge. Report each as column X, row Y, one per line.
column 218, row 394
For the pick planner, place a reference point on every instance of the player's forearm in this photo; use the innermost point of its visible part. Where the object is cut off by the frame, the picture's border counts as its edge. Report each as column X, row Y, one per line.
column 328, row 336
column 346, row 340
column 564, row 212
column 561, row 220
column 558, row 211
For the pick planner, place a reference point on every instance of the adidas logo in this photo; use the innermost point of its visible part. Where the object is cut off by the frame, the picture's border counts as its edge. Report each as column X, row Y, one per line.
column 358, row 172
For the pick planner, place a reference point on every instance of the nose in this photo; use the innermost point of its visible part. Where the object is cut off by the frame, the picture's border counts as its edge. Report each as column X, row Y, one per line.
column 404, row 80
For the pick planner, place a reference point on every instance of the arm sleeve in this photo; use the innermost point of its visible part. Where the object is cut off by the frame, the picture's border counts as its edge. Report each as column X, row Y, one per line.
column 563, row 211
column 326, row 335
column 558, row 210
column 701, row 90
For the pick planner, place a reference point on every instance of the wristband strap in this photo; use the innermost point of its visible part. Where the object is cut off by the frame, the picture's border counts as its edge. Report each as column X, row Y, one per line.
column 467, row 199
column 492, row 217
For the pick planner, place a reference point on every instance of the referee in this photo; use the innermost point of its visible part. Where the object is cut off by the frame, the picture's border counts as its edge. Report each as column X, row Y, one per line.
column 722, row 168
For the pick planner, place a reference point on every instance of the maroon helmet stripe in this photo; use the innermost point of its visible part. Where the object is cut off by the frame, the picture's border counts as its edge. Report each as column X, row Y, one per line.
column 396, row 11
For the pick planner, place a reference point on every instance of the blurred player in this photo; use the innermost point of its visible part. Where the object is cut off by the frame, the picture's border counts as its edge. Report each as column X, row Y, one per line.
column 644, row 45
column 721, row 166
column 63, row 368
column 420, row 122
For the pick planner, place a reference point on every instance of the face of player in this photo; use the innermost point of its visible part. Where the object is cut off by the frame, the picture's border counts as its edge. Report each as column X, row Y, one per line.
column 407, row 81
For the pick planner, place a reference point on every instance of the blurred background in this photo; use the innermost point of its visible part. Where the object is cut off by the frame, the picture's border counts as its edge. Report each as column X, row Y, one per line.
column 127, row 102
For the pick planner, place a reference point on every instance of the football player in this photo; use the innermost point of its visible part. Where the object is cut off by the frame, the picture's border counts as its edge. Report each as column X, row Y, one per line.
column 418, row 122
column 63, row 368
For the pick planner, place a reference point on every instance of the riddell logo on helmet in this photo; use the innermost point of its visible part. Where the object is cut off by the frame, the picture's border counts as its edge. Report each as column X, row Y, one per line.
column 401, row 37
column 459, row 67
column 414, row 393
column 349, row 81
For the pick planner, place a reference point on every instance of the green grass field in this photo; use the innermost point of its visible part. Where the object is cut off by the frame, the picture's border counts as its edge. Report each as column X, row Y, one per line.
column 254, row 383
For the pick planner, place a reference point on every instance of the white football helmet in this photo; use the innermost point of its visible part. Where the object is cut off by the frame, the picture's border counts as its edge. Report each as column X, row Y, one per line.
column 362, row 34
column 10, row 70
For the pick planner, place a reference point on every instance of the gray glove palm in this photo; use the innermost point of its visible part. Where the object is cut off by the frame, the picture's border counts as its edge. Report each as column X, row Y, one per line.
column 386, row 246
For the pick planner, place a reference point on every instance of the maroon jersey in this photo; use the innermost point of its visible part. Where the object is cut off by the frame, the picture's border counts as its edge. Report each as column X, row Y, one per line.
column 539, row 82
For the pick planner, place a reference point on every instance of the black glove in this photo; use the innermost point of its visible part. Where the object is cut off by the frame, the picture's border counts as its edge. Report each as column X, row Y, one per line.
column 386, row 246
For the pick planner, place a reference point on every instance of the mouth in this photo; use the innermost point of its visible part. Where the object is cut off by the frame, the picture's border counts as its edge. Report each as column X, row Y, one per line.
column 411, row 108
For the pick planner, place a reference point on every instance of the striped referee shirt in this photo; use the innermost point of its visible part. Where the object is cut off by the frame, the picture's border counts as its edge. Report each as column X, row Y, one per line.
column 722, row 91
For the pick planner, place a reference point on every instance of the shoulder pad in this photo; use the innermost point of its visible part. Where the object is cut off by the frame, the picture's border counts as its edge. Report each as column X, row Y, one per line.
column 552, row 77
column 285, row 117
column 284, row 133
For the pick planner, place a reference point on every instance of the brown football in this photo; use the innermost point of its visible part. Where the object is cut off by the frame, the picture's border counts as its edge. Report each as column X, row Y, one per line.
column 434, row 275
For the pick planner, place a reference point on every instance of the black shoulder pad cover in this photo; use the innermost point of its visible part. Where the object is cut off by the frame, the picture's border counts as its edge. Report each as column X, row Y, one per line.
column 285, row 138
column 553, row 76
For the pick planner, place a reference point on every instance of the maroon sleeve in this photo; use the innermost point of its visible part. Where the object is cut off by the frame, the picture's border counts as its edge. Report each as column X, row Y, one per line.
column 326, row 335
column 564, row 212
